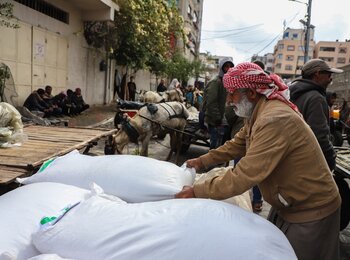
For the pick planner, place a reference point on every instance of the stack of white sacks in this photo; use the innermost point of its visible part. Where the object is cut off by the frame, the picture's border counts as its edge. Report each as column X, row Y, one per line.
column 122, row 207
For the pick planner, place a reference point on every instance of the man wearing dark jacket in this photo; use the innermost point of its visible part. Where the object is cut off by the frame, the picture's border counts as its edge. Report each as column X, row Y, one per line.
column 309, row 94
column 214, row 105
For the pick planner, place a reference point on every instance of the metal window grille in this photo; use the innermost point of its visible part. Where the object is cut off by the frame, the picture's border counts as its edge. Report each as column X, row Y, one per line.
column 46, row 8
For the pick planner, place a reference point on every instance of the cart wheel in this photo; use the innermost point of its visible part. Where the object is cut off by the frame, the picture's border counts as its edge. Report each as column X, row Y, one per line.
column 348, row 138
column 186, row 143
column 161, row 135
column 337, row 138
column 345, row 205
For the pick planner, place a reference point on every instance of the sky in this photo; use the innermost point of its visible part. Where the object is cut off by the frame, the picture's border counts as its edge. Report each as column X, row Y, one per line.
column 241, row 29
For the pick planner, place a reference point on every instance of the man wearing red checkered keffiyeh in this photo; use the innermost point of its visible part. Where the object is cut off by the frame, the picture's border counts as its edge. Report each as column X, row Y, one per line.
column 279, row 153
column 250, row 76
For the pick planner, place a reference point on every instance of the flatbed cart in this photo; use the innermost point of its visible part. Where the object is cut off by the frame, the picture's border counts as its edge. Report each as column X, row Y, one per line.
column 342, row 172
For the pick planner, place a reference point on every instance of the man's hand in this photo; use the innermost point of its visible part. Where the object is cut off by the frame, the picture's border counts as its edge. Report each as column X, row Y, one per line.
column 195, row 163
column 186, row 193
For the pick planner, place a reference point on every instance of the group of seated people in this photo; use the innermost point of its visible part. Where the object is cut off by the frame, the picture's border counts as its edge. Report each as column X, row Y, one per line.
column 43, row 103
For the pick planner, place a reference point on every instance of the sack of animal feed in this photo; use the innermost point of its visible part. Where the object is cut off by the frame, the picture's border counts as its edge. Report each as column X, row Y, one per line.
column 23, row 207
column 242, row 200
column 130, row 177
column 101, row 228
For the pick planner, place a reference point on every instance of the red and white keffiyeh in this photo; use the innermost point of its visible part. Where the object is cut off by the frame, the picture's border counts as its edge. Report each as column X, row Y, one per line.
column 250, row 75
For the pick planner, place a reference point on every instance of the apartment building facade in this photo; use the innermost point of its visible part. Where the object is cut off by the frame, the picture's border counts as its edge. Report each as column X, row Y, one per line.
column 289, row 53
column 191, row 11
column 336, row 54
column 49, row 47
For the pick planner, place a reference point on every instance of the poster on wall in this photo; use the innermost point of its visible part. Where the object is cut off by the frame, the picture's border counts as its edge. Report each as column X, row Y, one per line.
column 39, row 50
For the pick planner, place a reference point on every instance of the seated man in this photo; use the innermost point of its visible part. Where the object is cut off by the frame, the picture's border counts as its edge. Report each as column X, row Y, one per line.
column 36, row 104
column 78, row 100
column 51, row 101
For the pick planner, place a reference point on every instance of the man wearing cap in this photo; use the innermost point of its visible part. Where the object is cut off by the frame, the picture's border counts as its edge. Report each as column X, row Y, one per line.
column 281, row 155
column 214, row 104
column 309, row 95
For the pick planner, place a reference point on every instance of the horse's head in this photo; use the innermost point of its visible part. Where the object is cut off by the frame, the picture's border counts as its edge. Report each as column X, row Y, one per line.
column 120, row 140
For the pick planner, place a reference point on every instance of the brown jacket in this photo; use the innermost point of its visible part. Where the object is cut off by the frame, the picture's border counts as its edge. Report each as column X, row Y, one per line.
column 282, row 155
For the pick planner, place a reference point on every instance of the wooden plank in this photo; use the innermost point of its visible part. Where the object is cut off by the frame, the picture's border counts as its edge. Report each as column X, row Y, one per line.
column 9, row 174
column 44, row 143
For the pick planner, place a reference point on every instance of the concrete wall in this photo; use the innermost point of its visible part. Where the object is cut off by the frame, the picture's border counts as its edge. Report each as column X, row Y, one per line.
column 83, row 62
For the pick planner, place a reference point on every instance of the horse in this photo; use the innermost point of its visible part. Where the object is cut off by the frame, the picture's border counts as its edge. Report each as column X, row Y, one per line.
column 150, row 120
column 158, row 97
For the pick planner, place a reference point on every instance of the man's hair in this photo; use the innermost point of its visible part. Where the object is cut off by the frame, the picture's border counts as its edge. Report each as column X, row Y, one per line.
column 40, row 91
column 47, row 87
column 260, row 64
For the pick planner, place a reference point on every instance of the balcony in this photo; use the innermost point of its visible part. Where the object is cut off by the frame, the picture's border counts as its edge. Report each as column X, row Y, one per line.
column 96, row 10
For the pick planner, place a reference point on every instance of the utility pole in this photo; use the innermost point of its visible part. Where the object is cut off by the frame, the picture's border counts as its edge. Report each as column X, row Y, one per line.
column 307, row 32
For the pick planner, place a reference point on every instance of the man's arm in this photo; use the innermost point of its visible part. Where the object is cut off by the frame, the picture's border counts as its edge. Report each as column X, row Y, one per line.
column 266, row 150
column 315, row 117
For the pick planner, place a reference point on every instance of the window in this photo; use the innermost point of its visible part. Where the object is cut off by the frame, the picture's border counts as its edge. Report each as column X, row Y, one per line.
column 189, row 10
column 280, row 46
column 280, row 56
column 278, row 65
column 290, row 57
column 342, row 49
column 46, row 8
column 288, row 67
column 328, row 49
column 195, row 17
column 328, row 59
column 270, row 60
column 295, row 35
column 341, row 60
column 286, row 35
column 290, row 48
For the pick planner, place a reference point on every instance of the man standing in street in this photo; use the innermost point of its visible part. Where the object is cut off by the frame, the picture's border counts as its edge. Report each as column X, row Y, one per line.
column 280, row 154
column 309, row 94
column 214, row 105
column 132, row 89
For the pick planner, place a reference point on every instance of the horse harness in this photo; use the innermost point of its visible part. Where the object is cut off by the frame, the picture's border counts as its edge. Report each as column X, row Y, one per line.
column 134, row 134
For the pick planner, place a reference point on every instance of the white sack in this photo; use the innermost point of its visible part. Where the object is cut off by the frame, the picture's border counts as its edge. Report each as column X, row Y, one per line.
column 21, row 210
column 48, row 257
column 130, row 177
column 243, row 201
column 99, row 228
column 11, row 126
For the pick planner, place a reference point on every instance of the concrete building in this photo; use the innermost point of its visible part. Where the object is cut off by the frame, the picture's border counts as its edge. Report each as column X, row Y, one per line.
column 267, row 59
column 191, row 11
column 336, row 54
column 49, row 48
column 289, row 53
column 341, row 85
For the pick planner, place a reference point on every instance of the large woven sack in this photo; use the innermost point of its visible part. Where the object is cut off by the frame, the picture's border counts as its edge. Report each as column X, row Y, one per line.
column 243, row 200
column 100, row 228
column 21, row 211
column 132, row 178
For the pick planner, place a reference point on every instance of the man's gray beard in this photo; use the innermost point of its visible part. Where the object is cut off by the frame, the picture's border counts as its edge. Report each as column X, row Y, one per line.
column 244, row 108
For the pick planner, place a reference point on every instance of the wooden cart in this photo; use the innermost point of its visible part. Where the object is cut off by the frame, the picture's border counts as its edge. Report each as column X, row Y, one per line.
column 45, row 142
